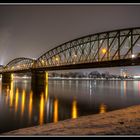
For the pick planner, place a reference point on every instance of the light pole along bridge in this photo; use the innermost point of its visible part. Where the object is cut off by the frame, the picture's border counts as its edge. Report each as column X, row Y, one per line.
column 107, row 49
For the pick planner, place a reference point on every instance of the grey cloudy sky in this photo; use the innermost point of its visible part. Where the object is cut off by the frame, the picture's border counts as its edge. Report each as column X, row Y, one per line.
column 29, row 31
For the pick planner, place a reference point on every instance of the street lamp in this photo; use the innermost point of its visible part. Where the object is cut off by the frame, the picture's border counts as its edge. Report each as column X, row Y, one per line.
column 133, row 56
column 104, row 50
column 43, row 62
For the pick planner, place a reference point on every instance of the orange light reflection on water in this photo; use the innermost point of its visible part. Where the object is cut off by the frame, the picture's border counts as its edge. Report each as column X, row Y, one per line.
column 30, row 105
column 55, row 113
column 16, row 100
column 11, row 93
column 103, row 109
column 74, row 109
column 41, row 113
column 23, row 103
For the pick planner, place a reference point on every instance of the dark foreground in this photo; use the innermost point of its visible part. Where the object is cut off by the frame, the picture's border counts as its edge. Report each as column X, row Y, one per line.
column 120, row 122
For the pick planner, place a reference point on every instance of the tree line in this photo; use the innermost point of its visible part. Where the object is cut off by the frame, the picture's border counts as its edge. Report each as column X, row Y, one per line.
column 93, row 74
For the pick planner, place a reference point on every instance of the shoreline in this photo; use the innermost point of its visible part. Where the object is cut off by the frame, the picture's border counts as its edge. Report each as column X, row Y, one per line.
column 119, row 122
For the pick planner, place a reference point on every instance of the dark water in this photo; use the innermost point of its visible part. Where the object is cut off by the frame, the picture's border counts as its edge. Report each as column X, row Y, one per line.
column 22, row 105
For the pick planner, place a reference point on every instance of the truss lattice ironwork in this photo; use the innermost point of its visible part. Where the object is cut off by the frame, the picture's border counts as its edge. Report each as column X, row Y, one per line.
column 1, row 68
column 101, row 47
column 19, row 64
column 106, row 46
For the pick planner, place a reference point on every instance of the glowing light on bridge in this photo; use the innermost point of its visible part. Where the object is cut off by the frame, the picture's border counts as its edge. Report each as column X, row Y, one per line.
column 41, row 113
column 133, row 56
column 43, row 62
column 104, row 50
column 12, row 68
column 74, row 109
column 55, row 119
column 57, row 59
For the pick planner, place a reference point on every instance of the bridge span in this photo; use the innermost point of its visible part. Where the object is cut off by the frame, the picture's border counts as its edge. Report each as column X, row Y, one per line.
column 107, row 49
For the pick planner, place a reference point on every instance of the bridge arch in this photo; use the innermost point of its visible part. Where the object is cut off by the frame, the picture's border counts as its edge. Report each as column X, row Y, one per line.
column 1, row 68
column 105, row 46
column 19, row 64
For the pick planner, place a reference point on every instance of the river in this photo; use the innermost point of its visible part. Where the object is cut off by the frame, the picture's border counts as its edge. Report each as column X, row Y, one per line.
column 22, row 105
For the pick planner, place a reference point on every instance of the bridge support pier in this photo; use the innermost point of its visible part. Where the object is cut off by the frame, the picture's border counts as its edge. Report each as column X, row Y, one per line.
column 38, row 78
column 7, row 77
column 38, row 82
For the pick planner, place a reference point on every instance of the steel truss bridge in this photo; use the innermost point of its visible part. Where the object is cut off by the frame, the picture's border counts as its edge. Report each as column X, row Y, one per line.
column 106, row 49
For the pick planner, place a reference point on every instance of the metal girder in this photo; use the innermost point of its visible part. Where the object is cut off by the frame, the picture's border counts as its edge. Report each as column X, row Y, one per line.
column 19, row 64
column 96, row 49
column 106, row 46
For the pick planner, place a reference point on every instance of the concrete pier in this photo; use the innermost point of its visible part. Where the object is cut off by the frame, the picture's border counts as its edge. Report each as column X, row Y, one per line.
column 38, row 78
column 7, row 77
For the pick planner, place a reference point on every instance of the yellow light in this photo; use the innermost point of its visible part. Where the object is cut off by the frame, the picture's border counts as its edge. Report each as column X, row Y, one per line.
column 74, row 109
column 43, row 62
column 57, row 59
column 125, row 87
column 102, row 108
column 55, row 111
column 104, row 50
column 46, row 88
column 41, row 114
column 23, row 103
column 12, row 68
column 46, row 92
column 47, row 75
column 11, row 94
column 12, row 76
column 30, row 105
column 16, row 100
column 7, row 93
column 0, row 89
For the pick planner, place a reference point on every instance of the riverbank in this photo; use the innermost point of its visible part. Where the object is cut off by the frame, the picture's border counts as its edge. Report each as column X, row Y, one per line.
column 120, row 122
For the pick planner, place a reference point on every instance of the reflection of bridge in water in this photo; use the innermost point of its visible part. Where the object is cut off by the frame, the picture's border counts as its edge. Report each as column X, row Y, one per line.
column 24, row 102
column 107, row 49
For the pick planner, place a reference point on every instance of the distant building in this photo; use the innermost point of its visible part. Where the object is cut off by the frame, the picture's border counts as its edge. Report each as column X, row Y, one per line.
column 124, row 73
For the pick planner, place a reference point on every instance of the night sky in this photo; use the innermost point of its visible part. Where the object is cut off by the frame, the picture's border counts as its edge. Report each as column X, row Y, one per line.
column 30, row 31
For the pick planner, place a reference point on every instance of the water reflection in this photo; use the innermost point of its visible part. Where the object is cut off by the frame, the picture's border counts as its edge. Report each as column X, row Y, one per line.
column 23, row 103
column 55, row 113
column 0, row 87
column 11, row 93
column 58, row 100
column 7, row 91
column 139, row 87
column 74, row 109
column 16, row 100
column 102, row 109
column 41, row 113
column 46, row 91
column 30, row 105
column 124, row 87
